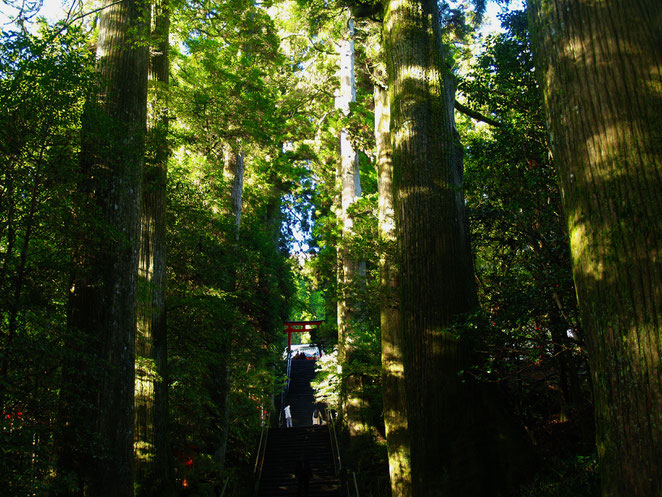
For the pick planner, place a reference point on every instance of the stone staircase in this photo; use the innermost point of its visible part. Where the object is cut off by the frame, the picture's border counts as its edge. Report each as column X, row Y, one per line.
column 300, row 395
column 288, row 447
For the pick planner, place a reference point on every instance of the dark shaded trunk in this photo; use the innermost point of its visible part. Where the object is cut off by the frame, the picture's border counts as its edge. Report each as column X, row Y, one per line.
column 436, row 273
column 600, row 66
column 98, row 388
column 9, row 227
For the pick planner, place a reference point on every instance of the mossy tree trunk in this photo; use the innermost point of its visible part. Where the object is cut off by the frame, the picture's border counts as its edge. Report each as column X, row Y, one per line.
column 98, row 391
column 153, row 475
column 393, row 378
column 600, row 67
column 435, row 268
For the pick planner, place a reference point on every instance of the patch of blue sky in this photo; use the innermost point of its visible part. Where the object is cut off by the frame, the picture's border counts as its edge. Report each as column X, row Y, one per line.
column 491, row 22
column 298, row 220
column 50, row 10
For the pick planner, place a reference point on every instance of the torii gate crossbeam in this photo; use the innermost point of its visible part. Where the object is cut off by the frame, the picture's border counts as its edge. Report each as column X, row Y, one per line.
column 298, row 327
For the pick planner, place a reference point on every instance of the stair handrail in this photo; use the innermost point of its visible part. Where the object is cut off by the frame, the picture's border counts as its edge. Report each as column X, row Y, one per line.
column 356, row 486
column 261, row 450
column 335, row 448
column 225, row 486
column 288, row 373
column 289, row 370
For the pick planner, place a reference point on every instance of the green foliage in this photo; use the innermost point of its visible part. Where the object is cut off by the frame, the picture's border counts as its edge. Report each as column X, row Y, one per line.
column 520, row 242
column 228, row 90
column 44, row 79
column 327, row 380
column 315, row 48
column 573, row 477
column 528, row 328
column 308, row 304
column 227, row 78
column 228, row 298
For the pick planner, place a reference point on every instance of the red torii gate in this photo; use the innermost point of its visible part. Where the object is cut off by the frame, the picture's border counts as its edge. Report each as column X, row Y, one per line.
column 298, row 327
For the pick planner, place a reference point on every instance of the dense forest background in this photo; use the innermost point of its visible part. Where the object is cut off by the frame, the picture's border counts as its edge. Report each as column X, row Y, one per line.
column 180, row 177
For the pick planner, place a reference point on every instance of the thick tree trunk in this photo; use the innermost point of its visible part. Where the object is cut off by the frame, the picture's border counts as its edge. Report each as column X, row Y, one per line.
column 153, row 475
column 97, row 399
column 348, row 266
column 435, row 267
column 393, row 378
column 600, row 66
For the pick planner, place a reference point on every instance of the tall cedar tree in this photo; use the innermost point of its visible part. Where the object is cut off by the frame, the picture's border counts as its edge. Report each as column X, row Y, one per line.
column 349, row 269
column 152, row 450
column 435, row 268
column 393, row 384
column 97, row 395
column 600, row 68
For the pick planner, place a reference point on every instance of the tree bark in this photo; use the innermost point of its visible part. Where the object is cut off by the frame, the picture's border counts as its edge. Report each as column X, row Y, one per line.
column 600, row 66
column 393, row 378
column 97, row 398
column 153, row 475
column 435, row 267
column 348, row 266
